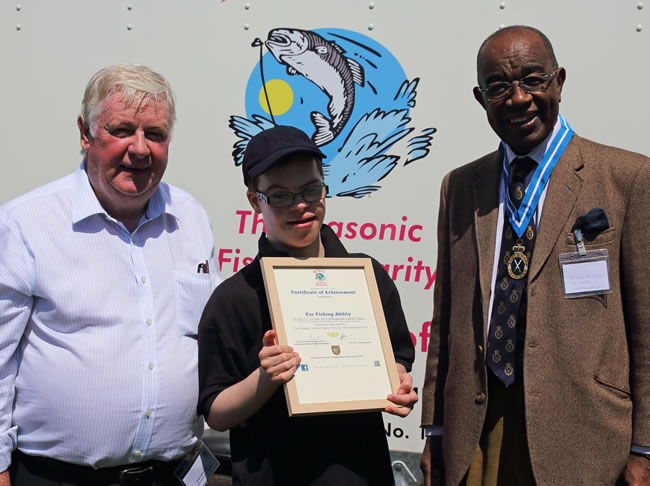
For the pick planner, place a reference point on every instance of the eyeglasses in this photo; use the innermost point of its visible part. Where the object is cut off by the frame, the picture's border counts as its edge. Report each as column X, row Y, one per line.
column 286, row 199
column 533, row 83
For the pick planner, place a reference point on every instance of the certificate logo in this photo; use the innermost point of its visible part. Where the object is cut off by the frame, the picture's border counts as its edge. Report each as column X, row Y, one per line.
column 320, row 278
column 304, row 367
column 336, row 349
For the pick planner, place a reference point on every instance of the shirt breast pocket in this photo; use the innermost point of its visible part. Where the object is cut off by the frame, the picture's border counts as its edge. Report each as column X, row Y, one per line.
column 192, row 292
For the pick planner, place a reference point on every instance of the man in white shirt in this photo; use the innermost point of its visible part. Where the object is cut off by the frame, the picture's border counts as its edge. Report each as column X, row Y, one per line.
column 103, row 276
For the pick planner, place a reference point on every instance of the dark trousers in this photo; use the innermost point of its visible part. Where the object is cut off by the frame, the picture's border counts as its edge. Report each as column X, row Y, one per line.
column 28, row 470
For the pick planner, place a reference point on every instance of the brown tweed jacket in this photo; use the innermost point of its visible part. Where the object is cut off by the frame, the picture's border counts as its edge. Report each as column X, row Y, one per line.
column 586, row 360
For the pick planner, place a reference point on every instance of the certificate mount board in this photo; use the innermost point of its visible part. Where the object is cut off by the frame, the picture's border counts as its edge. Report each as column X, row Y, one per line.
column 329, row 311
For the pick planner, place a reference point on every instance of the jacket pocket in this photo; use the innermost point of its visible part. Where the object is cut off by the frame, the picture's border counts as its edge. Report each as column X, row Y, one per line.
column 613, row 399
column 621, row 391
column 603, row 238
column 602, row 241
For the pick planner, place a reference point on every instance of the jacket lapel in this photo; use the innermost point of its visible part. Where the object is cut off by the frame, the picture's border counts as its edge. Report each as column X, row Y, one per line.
column 486, row 212
column 561, row 195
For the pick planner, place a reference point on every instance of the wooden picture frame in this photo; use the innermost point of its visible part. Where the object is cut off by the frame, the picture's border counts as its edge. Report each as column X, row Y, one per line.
column 330, row 312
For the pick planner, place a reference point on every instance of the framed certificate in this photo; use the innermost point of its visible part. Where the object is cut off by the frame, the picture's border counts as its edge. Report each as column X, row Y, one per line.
column 329, row 311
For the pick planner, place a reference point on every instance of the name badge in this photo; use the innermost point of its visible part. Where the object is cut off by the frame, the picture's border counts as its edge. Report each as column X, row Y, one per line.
column 197, row 466
column 585, row 273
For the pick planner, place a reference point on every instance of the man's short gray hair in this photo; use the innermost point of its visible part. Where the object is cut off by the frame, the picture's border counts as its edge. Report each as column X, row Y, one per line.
column 135, row 82
column 503, row 30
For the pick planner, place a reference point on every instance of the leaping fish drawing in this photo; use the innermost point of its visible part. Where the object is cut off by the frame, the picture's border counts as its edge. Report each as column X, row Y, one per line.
column 323, row 63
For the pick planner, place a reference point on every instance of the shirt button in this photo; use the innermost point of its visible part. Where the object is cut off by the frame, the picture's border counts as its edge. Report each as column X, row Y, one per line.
column 480, row 398
column 133, row 239
column 143, row 279
column 150, row 366
column 138, row 453
column 148, row 413
column 480, row 348
column 149, row 322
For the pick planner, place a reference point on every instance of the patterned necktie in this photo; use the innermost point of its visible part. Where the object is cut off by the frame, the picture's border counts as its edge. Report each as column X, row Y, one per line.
column 508, row 320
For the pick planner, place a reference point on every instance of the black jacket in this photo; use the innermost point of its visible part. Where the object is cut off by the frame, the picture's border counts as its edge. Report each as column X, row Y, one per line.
column 271, row 448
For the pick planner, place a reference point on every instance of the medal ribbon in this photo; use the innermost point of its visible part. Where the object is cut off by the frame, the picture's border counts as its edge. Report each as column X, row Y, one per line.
column 520, row 218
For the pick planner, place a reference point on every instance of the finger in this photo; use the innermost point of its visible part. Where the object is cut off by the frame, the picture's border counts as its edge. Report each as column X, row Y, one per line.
column 406, row 379
column 398, row 411
column 285, row 376
column 280, row 359
column 270, row 338
column 405, row 383
column 268, row 362
column 282, row 366
column 275, row 350
column 404, row 389
column 406, row 400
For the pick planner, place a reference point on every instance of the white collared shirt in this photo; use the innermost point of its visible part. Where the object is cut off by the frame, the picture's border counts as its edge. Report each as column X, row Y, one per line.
column 98, row 326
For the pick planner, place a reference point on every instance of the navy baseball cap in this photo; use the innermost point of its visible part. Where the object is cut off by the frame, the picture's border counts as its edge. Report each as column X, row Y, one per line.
column 269, row 146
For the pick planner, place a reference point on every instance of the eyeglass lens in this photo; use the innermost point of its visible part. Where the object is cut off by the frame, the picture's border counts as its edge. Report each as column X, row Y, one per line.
column 310, row 194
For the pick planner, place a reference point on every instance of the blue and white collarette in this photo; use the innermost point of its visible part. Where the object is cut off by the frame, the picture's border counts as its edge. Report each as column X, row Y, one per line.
column 520, row 218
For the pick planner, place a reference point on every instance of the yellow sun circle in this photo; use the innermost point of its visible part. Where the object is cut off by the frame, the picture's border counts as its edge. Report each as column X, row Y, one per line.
column 280, row 96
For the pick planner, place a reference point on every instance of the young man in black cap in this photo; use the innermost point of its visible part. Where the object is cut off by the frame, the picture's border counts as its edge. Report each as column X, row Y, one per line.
column 241, row 364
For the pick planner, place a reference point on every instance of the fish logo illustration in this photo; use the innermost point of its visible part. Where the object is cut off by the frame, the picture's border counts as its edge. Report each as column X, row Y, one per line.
column 323, row 63
column 345, row 90
column 319, row 276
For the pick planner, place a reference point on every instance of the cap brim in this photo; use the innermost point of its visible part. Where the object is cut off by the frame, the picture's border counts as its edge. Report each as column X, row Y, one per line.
column 271, row 159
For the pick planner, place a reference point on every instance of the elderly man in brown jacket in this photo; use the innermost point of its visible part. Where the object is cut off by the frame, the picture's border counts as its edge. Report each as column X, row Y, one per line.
column 538, row 369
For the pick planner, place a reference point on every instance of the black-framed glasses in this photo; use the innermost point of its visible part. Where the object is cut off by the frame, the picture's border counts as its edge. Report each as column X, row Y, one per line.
column 286, row 199
column 533, row 83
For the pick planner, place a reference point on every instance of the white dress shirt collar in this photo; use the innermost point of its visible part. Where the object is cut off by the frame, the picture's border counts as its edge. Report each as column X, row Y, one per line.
column 86, row 204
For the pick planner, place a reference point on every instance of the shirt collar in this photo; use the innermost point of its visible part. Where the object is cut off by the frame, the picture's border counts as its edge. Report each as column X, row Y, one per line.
column 86, row 204
column 537, row 154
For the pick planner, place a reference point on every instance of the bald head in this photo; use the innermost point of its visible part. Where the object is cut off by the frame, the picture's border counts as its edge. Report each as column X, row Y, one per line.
column 514, row 30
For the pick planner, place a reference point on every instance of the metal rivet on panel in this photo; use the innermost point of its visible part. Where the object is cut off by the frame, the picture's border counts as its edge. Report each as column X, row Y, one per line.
column 371, row 27
column 18, row 27
column 639, row 28
column 129, row 6
column 246, row 26
column 502, row 5
column 247, row 6
column 371, row 5
column 129, row 27
column 19, row 7
column 639, row 5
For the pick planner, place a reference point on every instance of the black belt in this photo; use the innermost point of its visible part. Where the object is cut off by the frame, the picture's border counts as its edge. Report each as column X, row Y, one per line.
column 138, row 474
